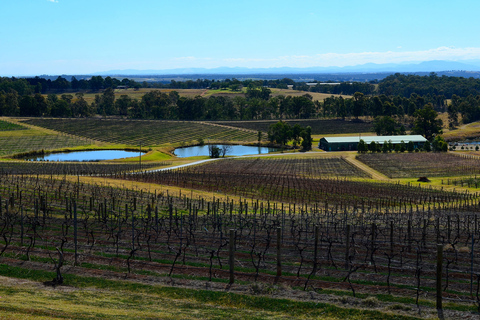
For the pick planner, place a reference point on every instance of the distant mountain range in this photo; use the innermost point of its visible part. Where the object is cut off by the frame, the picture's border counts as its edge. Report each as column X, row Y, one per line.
column 426, row 66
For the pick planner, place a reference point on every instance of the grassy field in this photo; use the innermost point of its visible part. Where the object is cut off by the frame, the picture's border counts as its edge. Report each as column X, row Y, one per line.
column 191, row 93
column 294, row 93
column 93, row 298
column 464, row 132
column 138, row 94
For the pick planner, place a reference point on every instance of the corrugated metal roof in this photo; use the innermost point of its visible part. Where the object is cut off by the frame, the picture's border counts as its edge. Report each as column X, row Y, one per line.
column 377, row 139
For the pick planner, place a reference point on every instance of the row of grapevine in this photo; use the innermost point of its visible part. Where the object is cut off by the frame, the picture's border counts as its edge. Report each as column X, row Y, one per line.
column 308, row 245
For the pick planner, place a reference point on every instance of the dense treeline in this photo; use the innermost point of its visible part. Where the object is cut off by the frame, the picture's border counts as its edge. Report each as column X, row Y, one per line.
column 406, row 85
column 381, row 105
column 396, row 96
column 257, row 104
column 281, row 132
column 468, row 107
column 62, row 85
column 393, row 85
column 345, row 88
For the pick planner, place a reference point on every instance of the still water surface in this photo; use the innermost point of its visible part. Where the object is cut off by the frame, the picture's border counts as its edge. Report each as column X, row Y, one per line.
column 96, row 155
column 235, row 150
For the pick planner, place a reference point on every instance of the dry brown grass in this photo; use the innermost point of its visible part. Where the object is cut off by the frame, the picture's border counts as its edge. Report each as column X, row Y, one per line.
column 191, row 93
column 468, row 131
column 138, row 94
column 295, row 93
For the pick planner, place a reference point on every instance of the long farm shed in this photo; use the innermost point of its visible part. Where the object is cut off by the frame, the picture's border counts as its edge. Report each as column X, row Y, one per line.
column 351, row 143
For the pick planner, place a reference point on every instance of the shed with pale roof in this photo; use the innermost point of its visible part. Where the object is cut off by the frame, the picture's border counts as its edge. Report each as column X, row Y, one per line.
column 351, row 143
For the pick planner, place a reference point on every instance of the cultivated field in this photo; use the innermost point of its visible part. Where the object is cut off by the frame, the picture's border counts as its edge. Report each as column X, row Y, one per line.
column 93, row 233
column 309, row 181
column 74, row 168
column 8, row 126
column 191, row 93
column 145, row 132
column 415, row 165
column 295, row 93
column 15, row 138
column 138, row 94
column 299, row 235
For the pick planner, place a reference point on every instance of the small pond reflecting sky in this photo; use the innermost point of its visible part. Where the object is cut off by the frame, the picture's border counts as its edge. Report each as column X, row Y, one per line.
column 96, row 155
column 235, row 150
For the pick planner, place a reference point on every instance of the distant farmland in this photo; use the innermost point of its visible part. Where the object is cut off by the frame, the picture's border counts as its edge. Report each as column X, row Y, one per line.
column 414, row 165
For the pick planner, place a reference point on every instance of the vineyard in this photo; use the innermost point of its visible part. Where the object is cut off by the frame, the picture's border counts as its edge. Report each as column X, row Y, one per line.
column 318, row 126
column 415, row 165
column 145, row 132
column 13, row 144
column 469, row 182
column 298, row 181
column 74, row 168
column 8, row 126
column 314, row 223
column 390, row 254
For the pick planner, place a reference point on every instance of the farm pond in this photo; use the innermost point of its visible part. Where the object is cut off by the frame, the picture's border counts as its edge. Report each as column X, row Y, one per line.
column 83, row 156
column 234, row 150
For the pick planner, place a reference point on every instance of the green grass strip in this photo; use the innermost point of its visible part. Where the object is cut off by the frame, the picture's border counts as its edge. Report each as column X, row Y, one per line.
column 220, row 299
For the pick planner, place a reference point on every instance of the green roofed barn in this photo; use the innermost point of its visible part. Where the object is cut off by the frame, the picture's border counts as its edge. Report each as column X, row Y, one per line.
column 351, row 143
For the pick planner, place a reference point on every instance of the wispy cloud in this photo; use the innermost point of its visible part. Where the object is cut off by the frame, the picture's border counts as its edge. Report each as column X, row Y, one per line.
column 356, row 58
column 56, row 1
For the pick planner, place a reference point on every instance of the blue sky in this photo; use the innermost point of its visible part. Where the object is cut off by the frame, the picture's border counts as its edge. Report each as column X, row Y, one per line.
column 85, row 36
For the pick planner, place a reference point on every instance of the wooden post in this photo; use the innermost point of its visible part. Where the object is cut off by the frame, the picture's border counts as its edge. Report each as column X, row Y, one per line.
column 391, row 237
column 439, row 275
column 133, row 230
column 409, row 235
column 315, row 252
column 347, row 247
column 449, row 231
column 21, row 226
column 75, row 224
column 279, row 253
column 231, row 259
column 471, row 266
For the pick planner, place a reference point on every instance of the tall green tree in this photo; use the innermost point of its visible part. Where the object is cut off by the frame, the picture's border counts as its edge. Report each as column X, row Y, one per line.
column 28, row 107
column 123, row 104
column 107, row 102
column 439, row 144
column 362, row 146
column 280, row 132
column 307, row 140
column 358, row 104
column 385, row 126
column 426, row 122
column 80, row 107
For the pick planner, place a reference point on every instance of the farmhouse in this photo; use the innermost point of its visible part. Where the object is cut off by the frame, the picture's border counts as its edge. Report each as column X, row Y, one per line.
column 351, row 143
